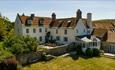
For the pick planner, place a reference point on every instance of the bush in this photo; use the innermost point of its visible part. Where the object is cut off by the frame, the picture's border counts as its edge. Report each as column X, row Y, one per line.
column 79, row 50
column 89, row 52
column 46, row 57
column 96, row 52
column 71, row 48
column 20, row 44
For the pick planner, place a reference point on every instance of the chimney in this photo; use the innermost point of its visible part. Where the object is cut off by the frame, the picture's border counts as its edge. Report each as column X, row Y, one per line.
column 23, row 14
column 78, row 14
column 32, row 16
column 53, row 16
column 89, row 19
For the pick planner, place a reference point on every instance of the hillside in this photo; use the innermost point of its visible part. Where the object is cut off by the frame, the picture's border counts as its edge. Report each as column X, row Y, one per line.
column 104, row 21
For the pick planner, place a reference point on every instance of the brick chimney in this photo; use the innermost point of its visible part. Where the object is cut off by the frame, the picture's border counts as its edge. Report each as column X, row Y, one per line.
column 78, row 14
column 53, row 16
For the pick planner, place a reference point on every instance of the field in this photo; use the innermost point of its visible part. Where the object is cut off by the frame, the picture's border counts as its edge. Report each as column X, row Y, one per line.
column 68, row 63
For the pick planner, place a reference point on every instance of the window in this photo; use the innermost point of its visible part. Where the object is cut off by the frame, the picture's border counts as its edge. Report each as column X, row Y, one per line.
column 27, row 30
column 40, row 38
column 76, row 30
column 57, row 38
column 45, row 29
column 34, row 30
column 29, row 21
column 40, row 30
column 84, row 30
column 65, row 39
column 65, row 32
column 56, row 31
column 88, row 31
column 94, row 43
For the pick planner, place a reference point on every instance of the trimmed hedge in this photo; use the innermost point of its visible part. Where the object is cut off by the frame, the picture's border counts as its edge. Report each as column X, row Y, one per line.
column 92, row 52
column 89, row 52
column 96, row 52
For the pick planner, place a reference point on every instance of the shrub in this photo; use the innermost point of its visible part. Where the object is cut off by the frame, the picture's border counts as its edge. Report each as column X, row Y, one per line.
column 20, row 44
column 71, row 48
column 43, row 56
column 46, row 57
column 79, row 50
column 96, row 52
column 89, row 52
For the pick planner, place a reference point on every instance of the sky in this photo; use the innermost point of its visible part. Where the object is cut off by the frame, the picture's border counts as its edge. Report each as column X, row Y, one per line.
column 100, row 9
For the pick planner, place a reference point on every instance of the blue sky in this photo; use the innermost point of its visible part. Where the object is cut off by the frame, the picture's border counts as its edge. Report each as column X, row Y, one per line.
column 67, row 8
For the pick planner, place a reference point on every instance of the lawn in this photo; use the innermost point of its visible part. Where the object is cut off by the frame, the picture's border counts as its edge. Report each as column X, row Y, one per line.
column 68, row 63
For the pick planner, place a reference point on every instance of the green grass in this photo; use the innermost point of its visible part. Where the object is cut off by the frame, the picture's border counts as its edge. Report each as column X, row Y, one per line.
column 67, row 63
column 3, row 53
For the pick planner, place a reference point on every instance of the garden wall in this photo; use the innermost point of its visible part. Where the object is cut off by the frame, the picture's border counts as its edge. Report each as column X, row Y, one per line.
column 36, row 56
column 29, row 58
column 59, row 50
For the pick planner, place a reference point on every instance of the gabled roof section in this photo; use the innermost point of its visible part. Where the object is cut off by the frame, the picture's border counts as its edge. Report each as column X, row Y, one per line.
column 99, row 32
column 63, row 22
column 35, row 20
column 67, row 22
column 103, row 25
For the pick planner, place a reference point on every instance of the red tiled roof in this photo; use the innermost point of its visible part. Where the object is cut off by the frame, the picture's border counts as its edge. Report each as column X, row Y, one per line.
column 35, row 20
column 65, row 22
column 111, row 37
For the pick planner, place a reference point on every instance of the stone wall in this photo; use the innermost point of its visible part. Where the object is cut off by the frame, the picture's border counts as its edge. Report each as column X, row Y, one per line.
column 29, row 58
column 36, row 56
column 59, row 50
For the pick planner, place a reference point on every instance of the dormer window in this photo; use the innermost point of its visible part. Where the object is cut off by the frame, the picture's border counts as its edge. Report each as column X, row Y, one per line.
column 41, row 21
column 29, row 22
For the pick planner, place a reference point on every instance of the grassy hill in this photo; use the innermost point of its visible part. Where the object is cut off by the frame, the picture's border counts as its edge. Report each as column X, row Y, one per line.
column 104, row 21
column 67, row 63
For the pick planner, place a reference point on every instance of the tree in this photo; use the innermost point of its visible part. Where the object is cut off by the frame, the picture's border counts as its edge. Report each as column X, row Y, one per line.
column 6, row 28
column 20, row 44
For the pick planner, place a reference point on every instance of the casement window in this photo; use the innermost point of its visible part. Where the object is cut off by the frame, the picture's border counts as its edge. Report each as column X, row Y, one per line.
column 27, row 30
column 40, row 30
column 65, row 32
column 30, row 22
column 88, row 31
column 84, row 30
column 65, row 39
column 40, row 38
column 34, row 30
column 56, row 31
column 45, row 29
column 76, row 30
column 57, row 38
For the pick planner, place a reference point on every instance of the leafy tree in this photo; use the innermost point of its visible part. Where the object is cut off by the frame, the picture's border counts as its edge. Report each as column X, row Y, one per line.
column 6, row 28
column 20, row 44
